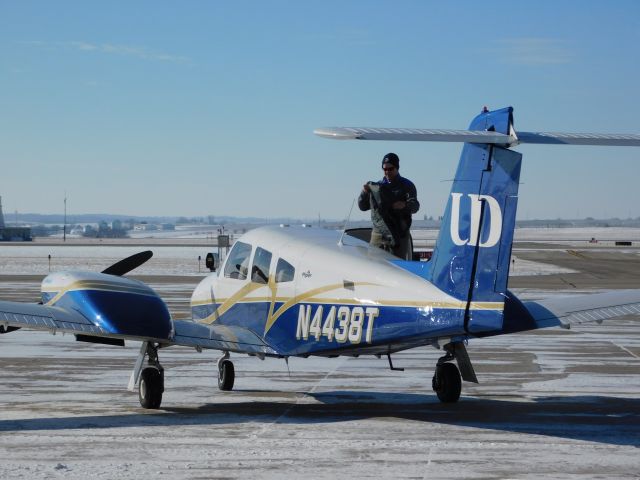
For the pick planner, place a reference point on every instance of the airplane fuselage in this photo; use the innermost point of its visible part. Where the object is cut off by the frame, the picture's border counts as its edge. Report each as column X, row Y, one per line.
column 305, row 293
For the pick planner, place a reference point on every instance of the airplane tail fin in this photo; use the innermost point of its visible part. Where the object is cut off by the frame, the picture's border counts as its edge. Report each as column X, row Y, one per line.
column 471, row 259
column 472, row 254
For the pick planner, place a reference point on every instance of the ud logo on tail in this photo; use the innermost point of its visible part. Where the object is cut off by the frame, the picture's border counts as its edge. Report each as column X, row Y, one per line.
column 495, row 228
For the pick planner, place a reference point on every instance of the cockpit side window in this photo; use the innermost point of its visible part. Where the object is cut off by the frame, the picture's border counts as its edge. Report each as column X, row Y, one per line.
column 284, row 271
column 260, row 268
column 237, row 264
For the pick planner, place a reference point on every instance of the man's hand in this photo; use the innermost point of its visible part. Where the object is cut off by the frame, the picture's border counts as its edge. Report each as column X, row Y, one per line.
column 365, row 188
column 399, row 205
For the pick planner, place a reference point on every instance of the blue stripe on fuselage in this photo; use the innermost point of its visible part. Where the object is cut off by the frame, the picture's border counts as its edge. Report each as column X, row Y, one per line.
column 388, row 324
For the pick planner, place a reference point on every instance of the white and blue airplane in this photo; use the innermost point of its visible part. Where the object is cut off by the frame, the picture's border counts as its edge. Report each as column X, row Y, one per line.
column 285, row 291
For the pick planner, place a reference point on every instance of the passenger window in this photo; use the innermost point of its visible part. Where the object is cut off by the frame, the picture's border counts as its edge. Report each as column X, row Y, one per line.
column 260, row 269
column 284, row 271
column 237, row 264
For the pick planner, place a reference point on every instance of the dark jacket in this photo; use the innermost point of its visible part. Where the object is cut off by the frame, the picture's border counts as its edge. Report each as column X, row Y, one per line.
column 380, row 201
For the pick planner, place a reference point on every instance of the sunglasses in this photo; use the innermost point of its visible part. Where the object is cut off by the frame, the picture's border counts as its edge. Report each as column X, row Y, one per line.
column 388, row 169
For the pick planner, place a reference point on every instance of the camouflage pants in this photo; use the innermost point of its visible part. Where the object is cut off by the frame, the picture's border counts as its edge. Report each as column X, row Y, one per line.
column 401, row 250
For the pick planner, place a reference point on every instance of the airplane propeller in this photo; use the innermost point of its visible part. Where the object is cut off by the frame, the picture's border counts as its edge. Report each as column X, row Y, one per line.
column 127, row 264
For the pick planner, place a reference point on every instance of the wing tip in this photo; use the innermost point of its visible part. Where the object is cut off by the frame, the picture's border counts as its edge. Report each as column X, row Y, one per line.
column 336, row 133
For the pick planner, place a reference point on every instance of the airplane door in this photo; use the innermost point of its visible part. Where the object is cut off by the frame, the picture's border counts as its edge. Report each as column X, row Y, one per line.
column 282, row 283
column 231, row 282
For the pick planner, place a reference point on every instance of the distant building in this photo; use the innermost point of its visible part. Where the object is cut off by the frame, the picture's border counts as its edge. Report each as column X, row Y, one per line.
column 145, row 227
column 13, row 234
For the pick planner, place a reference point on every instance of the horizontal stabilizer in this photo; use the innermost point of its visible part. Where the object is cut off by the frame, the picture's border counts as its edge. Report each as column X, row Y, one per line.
column 559, row 138
column 479, row 136
column 564, row 311
column 414, row 134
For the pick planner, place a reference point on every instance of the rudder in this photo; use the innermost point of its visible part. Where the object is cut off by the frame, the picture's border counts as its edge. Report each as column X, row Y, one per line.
column 471, row 258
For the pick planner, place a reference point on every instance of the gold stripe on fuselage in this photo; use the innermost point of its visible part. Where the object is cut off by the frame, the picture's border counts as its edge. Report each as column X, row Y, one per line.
column 306, row 297
column 226, row 304
column 310, row 297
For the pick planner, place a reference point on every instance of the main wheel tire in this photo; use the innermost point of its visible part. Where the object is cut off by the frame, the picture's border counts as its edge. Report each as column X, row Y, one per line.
column 150, row 388
column 226, row 375
column 447, row 383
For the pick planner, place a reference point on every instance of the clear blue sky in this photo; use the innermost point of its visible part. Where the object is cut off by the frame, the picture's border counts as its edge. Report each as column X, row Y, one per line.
column 208, row 107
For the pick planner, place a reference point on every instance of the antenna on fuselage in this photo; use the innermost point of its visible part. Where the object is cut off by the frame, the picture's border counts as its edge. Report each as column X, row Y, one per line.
column 346, row 222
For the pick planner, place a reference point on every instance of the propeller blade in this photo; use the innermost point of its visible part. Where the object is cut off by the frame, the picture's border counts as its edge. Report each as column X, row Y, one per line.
column 127, row 264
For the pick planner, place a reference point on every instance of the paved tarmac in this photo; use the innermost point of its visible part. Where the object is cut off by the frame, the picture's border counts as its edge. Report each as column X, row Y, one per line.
column 596, row 269
column 552, row 403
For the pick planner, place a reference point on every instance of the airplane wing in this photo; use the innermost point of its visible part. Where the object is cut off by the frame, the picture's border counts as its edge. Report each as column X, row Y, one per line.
column 185, row 332
column 43, row 317
column 219, row 337
column 478, row 136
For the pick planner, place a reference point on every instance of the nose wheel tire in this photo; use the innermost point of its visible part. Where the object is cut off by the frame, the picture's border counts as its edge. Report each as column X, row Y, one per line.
column 226, row 375
column 150, row 388
column 447, row 383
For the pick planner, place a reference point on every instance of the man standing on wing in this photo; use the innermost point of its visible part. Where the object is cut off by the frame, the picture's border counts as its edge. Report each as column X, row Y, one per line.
column 392, row 201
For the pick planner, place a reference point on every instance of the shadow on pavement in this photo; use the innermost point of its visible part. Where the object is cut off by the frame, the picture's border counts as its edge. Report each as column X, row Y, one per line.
column 608, row 420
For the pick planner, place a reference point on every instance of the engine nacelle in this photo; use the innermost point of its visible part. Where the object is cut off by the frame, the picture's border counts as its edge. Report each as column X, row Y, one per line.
column 119, row 305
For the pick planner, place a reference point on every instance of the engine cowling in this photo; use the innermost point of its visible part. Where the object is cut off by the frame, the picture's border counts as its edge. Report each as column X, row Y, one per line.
column 119, row 305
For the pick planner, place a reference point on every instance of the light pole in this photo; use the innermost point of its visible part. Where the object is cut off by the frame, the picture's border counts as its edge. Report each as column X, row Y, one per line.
column 64, row 226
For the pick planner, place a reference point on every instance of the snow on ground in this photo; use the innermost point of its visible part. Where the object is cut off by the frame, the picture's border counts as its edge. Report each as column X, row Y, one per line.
column 606, row 236
column 521, row 267
column 581, row 234
column 553, row 404
column 32, row 259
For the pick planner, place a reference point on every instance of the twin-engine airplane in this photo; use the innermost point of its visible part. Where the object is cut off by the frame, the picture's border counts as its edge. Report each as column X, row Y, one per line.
column 298, row 292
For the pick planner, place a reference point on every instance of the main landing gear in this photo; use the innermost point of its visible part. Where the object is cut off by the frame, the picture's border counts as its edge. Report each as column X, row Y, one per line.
column 150, row 379
column 447, row 382
column 447, row 379
column 226, row 373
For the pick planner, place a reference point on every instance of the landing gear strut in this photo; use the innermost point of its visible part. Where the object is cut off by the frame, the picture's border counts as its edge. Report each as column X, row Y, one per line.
column 226, row 373
column 151, row 379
